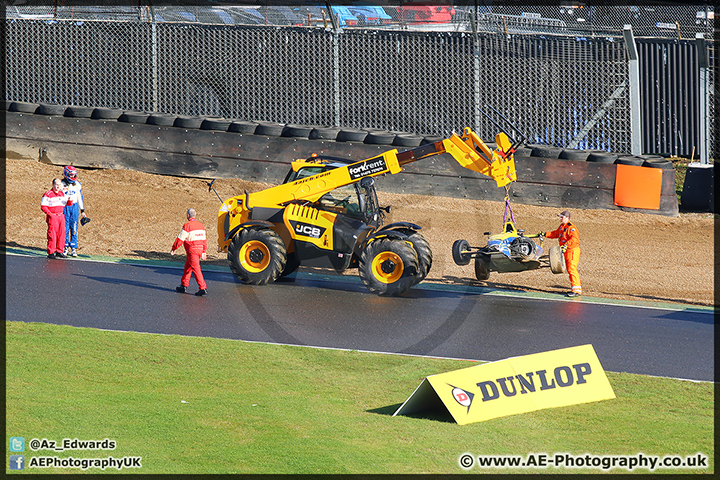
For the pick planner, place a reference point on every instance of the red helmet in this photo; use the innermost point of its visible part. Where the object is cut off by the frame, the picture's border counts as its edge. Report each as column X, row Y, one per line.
column 70, row 173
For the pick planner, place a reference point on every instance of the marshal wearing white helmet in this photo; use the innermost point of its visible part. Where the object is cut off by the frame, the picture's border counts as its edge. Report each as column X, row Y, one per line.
column 73, row 213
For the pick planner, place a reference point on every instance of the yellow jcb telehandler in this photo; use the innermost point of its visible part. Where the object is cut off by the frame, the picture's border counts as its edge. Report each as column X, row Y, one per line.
column 326, row 214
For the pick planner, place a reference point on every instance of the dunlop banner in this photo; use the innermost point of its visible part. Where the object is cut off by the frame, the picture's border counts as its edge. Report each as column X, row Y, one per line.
column 515, row 385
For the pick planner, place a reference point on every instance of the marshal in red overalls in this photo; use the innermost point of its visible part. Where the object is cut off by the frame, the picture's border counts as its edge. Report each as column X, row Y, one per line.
column 53, row 204
column 194, row 239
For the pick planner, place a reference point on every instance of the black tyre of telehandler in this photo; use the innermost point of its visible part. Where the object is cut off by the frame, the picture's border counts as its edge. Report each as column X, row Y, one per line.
column 292, row 264
column 424, row 254
column 458, row 248
column 257, row 256
column 482, row 269
column 388, row 266
column 557, row 260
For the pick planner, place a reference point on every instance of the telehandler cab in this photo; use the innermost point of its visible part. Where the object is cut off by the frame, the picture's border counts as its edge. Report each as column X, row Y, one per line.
column 326, row 214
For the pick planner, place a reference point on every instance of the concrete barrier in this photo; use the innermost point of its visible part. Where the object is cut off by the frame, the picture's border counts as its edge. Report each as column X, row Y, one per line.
column 178, row 151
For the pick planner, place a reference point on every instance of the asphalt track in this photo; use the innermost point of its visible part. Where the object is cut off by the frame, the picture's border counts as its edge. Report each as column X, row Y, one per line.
column 339, row 312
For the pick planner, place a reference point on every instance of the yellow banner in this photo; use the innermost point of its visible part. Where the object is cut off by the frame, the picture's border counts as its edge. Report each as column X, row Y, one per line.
column 515, row 385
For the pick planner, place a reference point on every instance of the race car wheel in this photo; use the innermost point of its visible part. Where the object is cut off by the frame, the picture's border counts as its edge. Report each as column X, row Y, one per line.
column 524, row 247
column 458, row 249
column 482, row 269
column 557, row 260
column 424, row 254
column 257, row 256
column 388, row 266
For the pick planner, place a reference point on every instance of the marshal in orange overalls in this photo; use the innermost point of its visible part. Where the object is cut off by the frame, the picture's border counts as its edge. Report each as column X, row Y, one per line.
column 569, row 237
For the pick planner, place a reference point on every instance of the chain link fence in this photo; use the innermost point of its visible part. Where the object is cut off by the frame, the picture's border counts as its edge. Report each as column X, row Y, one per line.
column 678, row 20
column 415, row 69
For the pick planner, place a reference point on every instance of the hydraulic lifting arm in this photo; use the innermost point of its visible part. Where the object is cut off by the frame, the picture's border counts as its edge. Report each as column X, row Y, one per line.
column 468, row 150
column 472, row 153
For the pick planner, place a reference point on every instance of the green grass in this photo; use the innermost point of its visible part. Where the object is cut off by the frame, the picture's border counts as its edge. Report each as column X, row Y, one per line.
column 681, row 165
column 204, row 406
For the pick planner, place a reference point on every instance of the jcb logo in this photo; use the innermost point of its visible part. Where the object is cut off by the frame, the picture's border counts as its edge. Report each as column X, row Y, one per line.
column 307, row 230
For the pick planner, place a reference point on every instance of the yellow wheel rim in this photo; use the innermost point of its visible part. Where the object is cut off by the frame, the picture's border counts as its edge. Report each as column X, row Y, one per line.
column 387, row 267
column 254, row 256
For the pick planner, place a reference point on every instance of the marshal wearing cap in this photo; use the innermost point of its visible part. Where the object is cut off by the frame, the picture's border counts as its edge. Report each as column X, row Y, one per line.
column 569, row 240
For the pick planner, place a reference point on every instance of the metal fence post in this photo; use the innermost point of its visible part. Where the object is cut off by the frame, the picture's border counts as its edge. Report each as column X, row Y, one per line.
column 335, row 63
column 476, row 69
column 704, row 94
column 153, row 26
column 336, row 76
column 634, row 80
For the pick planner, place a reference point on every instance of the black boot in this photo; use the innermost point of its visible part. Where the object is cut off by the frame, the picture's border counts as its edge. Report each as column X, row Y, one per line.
column 202, row 292
column 180, row 289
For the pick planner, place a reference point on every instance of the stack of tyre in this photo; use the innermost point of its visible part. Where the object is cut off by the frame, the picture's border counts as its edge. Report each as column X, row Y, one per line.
column 596, row 156
column 323, row 133
column 248, row 127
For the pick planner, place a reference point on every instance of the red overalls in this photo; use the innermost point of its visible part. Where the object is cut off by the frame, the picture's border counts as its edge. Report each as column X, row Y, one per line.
column 194, row 239
column 53, row 204
column 567, row 234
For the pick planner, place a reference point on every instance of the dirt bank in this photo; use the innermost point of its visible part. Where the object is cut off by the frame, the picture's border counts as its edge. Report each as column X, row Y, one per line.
column 624, row 255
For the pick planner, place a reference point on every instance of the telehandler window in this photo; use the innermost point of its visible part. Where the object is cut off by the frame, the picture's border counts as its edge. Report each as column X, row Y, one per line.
column 342, row 200
column 304, row 172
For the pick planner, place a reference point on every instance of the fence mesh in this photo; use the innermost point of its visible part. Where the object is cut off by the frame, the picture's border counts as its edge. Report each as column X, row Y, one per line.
column 678, row 20
column 416, row 71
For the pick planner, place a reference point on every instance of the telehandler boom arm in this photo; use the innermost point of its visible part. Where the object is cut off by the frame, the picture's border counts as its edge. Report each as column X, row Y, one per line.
column 468, row 150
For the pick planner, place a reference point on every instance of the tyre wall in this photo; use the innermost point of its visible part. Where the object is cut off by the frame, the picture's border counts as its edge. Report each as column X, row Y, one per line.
column 220, row 148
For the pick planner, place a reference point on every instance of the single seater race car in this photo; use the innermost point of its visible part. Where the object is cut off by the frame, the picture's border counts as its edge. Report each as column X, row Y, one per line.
column 509, row 251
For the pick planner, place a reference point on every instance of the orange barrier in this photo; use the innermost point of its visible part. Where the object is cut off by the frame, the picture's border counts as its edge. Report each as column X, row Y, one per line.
column 638, row 187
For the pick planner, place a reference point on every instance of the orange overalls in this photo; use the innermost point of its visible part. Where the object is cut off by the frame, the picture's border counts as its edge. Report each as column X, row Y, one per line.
column 567, row 234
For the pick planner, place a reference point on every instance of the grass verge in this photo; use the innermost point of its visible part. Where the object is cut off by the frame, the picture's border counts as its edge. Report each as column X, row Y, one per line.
column 681, row 166
column 209, row 406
